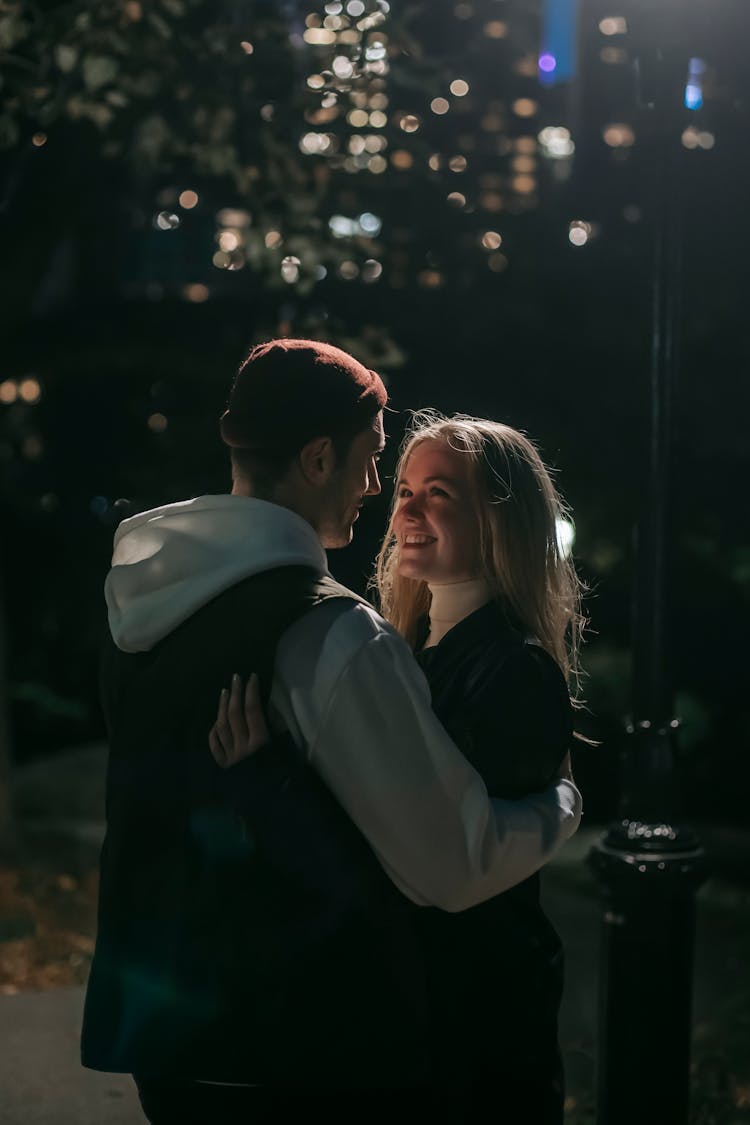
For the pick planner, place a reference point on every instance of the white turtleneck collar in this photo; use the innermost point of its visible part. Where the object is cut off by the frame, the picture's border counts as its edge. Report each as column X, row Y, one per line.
column 452, row 602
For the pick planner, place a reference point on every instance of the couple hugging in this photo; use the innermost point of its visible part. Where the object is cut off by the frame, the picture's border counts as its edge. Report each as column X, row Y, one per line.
column 345, row 911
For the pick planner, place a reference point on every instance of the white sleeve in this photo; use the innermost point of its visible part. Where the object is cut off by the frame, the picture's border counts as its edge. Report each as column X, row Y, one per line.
column 424, row 810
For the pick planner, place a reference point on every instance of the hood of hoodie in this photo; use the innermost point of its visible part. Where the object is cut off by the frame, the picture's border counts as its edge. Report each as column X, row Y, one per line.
column 170, row 561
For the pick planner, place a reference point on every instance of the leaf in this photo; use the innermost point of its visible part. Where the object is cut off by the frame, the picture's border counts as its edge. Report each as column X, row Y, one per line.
column 66, row 57
column 160, row 25
column 13, row 30
column 150, row 139
column 8, row 131
column 99, row 70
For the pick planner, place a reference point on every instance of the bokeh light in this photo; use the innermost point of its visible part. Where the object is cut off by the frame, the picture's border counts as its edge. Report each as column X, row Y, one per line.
column 579, row 232
column 166, row 220
column 619, row 135
column 496, row 29
column 613, row 25
column 525, row 107
column 196, row 292
column 30, row 390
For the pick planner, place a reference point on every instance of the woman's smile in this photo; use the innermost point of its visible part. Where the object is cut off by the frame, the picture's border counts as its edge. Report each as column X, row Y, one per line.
column 435, row 490
column 415, row 540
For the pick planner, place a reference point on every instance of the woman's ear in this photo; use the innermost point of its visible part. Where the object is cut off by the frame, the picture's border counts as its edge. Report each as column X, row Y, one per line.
column 317, row 461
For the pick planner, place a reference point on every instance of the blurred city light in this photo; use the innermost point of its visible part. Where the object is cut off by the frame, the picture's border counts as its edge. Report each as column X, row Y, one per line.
column 496, row 29
column 525, row 107
column 613, row 25
column 197, row 293
column 165, row 220
column 556, row 142
column 290, row 269
column 30, row 390
column 694, row 87
column 8, row 391
column 579, row 232
column 619, row 135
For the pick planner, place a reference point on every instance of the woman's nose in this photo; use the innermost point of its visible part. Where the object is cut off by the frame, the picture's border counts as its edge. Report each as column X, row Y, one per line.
column 410, row 506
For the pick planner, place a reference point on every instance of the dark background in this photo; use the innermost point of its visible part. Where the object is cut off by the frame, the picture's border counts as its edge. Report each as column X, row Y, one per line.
column 550, row 337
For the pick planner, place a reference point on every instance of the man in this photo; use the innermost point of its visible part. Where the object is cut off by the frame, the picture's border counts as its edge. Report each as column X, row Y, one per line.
column 217, row 970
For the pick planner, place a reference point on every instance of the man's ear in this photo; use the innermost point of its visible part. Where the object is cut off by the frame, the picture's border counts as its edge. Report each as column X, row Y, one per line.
column 317, row 460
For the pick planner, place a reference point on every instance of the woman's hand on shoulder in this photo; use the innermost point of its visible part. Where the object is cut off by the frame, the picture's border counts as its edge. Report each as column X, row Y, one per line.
column 240, row 728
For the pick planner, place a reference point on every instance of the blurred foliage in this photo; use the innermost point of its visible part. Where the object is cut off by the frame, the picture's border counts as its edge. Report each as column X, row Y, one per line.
column 164, row 82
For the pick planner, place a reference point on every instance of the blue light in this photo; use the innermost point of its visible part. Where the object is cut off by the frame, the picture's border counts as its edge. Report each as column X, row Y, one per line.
column 558, row 56
column 693, row 96
column 694, row 87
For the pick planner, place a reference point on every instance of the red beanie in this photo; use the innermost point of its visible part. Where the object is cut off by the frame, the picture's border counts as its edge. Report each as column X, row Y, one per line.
column 288, row 392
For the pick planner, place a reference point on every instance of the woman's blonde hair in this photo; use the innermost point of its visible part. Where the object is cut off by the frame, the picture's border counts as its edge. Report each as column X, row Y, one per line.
column 518, row 522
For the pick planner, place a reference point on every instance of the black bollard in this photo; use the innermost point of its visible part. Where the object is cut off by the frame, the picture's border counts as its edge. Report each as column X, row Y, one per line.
column 649, row 863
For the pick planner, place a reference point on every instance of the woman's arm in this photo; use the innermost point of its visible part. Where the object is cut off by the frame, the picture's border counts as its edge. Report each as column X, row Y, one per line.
column 291, row 814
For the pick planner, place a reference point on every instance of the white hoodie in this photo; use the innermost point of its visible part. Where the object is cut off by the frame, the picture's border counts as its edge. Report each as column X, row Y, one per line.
column 348, row 688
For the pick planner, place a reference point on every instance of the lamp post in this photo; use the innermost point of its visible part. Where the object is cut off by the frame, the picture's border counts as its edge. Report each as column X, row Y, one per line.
column 649, row 863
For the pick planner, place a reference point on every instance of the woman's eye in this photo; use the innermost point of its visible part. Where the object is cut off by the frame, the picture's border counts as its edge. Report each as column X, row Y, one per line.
column 435, row 491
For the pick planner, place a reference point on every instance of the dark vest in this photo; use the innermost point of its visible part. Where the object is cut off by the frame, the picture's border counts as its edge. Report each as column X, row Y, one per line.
column 211, row 962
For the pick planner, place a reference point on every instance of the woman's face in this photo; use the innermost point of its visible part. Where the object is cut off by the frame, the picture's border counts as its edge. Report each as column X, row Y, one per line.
column 435, row 519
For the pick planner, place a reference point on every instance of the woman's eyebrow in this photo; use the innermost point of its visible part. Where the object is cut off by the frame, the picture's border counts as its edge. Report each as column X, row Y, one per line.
column 429, row 480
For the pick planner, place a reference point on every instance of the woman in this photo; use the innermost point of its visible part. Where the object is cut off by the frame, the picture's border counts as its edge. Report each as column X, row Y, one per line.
column 472, row 574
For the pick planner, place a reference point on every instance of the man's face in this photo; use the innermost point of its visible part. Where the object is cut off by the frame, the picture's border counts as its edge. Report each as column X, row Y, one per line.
column 352, row 480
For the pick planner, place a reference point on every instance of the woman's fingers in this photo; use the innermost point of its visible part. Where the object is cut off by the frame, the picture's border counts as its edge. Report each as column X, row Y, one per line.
column 220, row 735
column 217, row 749
column 240, row 727
column 255, row 718
column 222, row 726
column 236, row 711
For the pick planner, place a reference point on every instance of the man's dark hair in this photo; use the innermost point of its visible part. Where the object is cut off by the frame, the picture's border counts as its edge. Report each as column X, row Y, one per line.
column 288, row 392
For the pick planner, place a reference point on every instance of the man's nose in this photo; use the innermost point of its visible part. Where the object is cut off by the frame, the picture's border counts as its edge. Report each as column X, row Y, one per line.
column 373, row 481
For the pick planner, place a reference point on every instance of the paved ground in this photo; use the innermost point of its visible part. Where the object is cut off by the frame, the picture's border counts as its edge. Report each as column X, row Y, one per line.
column 42, row 1082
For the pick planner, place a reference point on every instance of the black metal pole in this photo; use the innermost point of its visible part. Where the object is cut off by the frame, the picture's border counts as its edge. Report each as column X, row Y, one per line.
column 648, row 862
